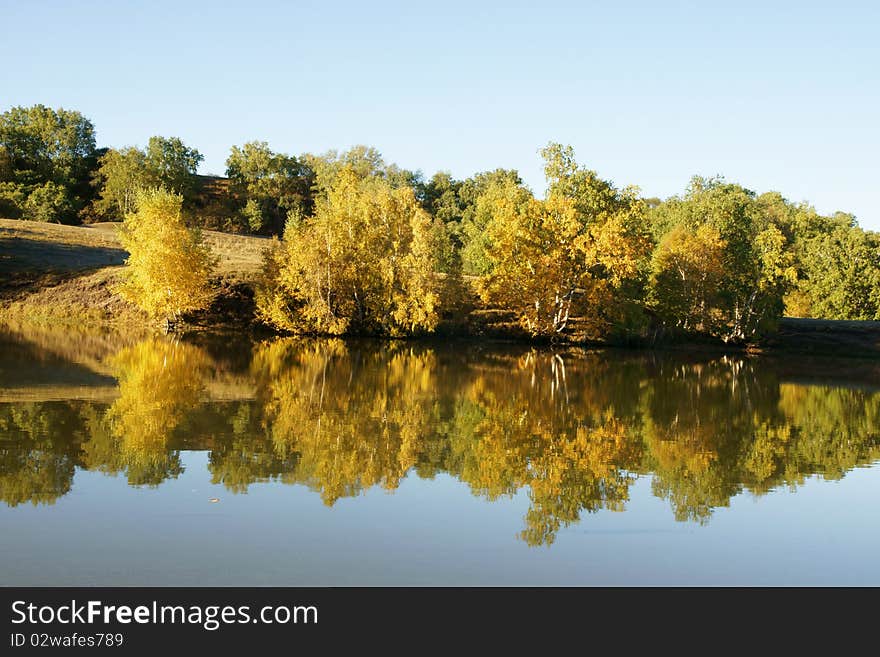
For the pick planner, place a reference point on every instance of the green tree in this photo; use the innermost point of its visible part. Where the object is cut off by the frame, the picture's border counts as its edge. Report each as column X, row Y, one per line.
column 269, row 186
column 49, row 202
column 441, row 197
column 835, row 259
column 174, row 164
column 842, row 270
column 122, row 175
column 38, row 452
column 48, row 155
column 12, row 199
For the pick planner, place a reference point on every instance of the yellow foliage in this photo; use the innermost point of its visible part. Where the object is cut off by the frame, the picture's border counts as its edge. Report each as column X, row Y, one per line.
column 352, row 420
column 168, row 267
column 686, row 275
column 549, row 262
column 160, row 382
column 364, row 262
column 798, row 303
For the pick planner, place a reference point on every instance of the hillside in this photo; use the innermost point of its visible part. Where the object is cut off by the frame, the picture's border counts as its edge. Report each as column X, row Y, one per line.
column 55, row 273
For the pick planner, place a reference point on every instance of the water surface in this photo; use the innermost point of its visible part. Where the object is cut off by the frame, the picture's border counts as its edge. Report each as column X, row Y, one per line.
column 323, row 462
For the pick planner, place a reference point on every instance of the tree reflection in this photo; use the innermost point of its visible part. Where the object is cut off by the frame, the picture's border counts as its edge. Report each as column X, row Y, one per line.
column 694, row 418
column 244, row 454
column 38, row 450
column 352, row 417
column 572, row 430
column 160, row 383
column 523, row 426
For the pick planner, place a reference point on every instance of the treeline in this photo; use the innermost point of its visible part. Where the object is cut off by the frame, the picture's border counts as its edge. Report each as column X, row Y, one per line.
column 368, row 247
column 571, row 431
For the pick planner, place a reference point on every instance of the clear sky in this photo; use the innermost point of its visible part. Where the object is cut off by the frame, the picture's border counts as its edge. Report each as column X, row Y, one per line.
column 773, row 95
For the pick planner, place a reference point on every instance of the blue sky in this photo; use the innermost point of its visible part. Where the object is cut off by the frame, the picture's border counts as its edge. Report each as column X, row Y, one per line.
column 782, row 96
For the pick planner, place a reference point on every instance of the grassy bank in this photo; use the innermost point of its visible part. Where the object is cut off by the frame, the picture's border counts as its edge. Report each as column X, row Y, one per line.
column 66, row 274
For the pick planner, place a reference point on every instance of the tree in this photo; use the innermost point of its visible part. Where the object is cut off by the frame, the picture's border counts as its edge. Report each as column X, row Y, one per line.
column 757, row 262
column 269, row 186
column 575, row 252
column 48, row 202
column 775, row 274
column 364, row 162
column 481, row 195
column 174, row 164
column 12, row 199
column 842, row 274
column 168, row 268
column 364, row 262
column 47, row 154
column 687, row 273
column 122, row 175
column 166, row 162
column 441, row 197
column 837, row 262
column 476, row 196
column 592, row 196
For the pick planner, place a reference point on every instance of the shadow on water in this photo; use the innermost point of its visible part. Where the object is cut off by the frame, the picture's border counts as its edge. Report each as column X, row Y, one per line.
column 572, row 429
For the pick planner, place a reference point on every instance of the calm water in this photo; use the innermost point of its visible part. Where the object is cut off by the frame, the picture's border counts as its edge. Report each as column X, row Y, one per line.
column 327, row 463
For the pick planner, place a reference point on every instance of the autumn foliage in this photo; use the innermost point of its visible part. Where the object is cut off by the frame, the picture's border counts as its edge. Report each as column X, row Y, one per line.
column 550, row 262
column 168, row 267
column 365, row 262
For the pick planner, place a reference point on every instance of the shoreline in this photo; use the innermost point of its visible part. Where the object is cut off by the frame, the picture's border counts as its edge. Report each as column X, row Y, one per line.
column 64, row 276
column 84, row 300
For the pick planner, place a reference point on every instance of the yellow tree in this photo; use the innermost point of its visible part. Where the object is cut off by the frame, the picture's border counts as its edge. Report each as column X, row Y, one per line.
column 169, row 266
column 687, row 272
column 549, row 261
column 365, row 262
column 727, row 255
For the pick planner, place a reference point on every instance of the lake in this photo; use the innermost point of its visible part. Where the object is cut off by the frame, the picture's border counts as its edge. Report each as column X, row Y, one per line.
column 220, row 461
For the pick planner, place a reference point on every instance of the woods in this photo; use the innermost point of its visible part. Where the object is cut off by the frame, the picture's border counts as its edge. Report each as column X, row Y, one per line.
column 361, row 246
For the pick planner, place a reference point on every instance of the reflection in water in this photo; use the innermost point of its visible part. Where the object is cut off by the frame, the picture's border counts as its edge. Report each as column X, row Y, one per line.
column 572, row 429
column 38, row 451
column 351, row 420
column 160, row 383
